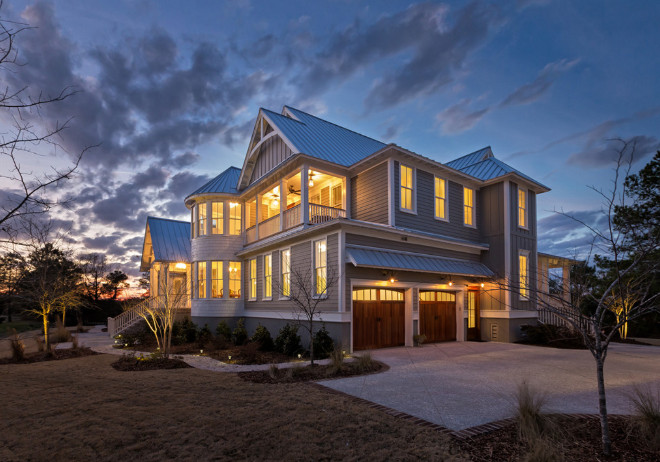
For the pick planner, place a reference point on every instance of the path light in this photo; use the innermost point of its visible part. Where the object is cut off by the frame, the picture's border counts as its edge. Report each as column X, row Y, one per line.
column 201, row 352
column 299, row 356
column 229, row 357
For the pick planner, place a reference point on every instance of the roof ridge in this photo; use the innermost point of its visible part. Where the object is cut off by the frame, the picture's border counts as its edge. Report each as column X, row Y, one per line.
column 469, row 154
column 282, row 115
column 336, row 125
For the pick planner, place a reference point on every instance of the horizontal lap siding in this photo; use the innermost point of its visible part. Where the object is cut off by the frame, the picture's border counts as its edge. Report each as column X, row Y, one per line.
column 398, row 244
column 424, row 218
column 369, row 194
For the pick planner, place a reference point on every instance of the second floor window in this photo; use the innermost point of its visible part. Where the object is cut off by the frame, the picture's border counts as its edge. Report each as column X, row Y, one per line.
column 234, row 218
column 201, row 279
column 468, row 206
column 217, row 221
column 320, row 267
column 440, row 198
column 216, row 279
column 201, row 231
column 234, row 279
column 522, row 208
column 268, row 276
column 406, row 193
column 523, row 267
column 285, row 259
column 253, row 279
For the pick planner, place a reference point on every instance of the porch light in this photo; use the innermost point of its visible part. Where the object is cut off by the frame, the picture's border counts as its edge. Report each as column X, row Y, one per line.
column 451, row 283
column 233, row 204
column 180, row 266
column 274, row 203
column 392, row 280
column 311, row 183
column 482, row 285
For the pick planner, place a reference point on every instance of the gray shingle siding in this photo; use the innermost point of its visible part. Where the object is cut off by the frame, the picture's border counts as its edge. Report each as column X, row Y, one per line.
column 369, row 195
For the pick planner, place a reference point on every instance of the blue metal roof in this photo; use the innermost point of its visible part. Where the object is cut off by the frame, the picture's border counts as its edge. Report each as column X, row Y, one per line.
column 494, row 168
column 325, row 140
column 170, row 239
column 469, row 159
column 388, row 259
column 225, row 183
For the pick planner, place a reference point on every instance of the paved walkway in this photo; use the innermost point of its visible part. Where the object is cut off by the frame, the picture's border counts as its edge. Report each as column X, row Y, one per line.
column 464, row 384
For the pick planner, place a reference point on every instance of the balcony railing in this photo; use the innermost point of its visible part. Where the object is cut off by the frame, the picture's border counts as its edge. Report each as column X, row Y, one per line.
column 292, row 217
column 269, row 227
column 251, row 234
column 320, row 213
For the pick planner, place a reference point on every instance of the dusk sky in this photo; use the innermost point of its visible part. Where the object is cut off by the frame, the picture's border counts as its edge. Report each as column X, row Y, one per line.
column 170, row 90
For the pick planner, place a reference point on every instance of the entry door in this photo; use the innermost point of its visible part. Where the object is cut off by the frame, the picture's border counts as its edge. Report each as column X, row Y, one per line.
column 473, row 331
column 437, row 316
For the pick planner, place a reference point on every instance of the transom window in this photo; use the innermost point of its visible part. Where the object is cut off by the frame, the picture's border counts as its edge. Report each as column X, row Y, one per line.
column 406, row 181
column 440, row 198
column 234, row 279
column 468, row 206
column 435, row 296
column 320, row 266
column 522, row 208
column 253, row 279
column 523, row 267
column 234, row 218
column 216, row 279
column 201, row 230
column 217, row 221
column 201, row 279
column 369, row 295
column 285, row 259
column 268, row 276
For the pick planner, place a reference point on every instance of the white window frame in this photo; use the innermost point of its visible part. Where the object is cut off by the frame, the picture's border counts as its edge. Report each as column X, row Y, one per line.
column 526, row 208
column 240, row 279
column 233, row 219
column 267, row 283
column 252, row 279
column 206, row 281
column 221, row 278
column 282, row 296
column 222, row 219
column 202, row 228
column 473, row 206
column 315, row 268
column 527, row 285
column 444, row 198
column 413, row 190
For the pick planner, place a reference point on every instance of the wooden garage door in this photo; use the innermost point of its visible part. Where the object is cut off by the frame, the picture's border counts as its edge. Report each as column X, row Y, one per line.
column 437, row 316
column 378, row 318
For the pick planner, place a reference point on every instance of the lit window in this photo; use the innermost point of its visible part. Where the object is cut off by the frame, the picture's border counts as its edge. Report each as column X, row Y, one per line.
column 468, row 206
column 217, row 222
column 253, row 279
column 216, row 279
column 286, row 272
column 440, row 198
column 234, row 279
column 201, row 230
column 320, row 266
column 523, row 264
column 234, row 218
column 406, row 180
column 472, row 307
column 201, row 279
column 522, row 208
column 268, row 276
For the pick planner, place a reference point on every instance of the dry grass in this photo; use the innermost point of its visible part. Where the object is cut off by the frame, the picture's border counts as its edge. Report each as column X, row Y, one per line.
column 99, row 413
column 17, row 347
column 646, row 415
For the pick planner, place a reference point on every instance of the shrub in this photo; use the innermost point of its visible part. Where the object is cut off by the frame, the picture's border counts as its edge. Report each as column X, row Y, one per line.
column 240, row 334
column 365, row 363
column 273, row 370
column 204, row 336
column 61, row 333
column 184, row 332
column 323, row 343
column 40, row 343
column 646, row 415
column 74, row 342
column 263, row 338
column 223, row 332
column 551, row 335
column 529, row 404
column 336, row 361
column 288, row 340
column 419, row 339
column 17, row 347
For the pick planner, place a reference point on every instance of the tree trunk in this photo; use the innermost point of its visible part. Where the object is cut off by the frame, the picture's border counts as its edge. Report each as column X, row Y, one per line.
column 45, row 319
column 311, row 342
column 602, row 408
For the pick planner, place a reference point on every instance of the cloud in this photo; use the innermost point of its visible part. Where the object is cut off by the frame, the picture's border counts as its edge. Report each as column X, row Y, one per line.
column 566, row 235
column 534, row 90
column 600, row 153
column 459, row 117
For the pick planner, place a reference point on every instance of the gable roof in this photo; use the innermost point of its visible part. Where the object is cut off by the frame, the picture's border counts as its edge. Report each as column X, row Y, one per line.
column 320, row 138
column 170, row 240
column 470, row 159
column 226, row 183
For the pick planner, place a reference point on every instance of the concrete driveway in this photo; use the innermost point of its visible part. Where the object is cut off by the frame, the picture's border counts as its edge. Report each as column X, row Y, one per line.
column 463, row 384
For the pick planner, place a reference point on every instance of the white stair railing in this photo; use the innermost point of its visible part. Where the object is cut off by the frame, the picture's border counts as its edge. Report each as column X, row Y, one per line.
column 132, row 316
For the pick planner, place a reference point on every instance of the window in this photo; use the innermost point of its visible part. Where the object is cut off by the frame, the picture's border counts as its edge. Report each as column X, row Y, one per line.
column 320, row 266
column 201, row 210
column 234, row 218
column 268, row 276
column 440, row 198
column 201, row 279
column 368, row 295
column 234, row 279
column 216, row 279
column 433, row 296
column 285, row 259
column 523, row 267
column 253, row 279
column 522, row 208
column 468, row 206
column 406, row 180
column 217, row 221
column 472, row 306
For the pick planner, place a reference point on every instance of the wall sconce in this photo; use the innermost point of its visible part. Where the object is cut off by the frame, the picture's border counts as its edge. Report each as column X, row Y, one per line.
column 482, row 285
column 180, row 266
column 450, row 283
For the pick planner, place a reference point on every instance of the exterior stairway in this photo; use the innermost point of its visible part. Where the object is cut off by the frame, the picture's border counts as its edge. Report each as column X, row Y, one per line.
column 133, row 315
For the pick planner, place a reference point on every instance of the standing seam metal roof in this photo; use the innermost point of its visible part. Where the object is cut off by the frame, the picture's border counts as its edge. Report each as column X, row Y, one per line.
column 469, row 159
column 170, row 239
column 226, row 183
column 493, row 168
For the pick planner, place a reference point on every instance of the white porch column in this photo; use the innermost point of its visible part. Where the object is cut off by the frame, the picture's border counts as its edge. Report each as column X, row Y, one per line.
column 304, row 193
column 408, row 325
column 347, row 196
column 256, row 217
column 283, row 185
column 460, row 315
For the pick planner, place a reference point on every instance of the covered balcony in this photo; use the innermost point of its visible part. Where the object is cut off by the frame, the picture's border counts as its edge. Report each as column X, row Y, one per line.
column 292, row 202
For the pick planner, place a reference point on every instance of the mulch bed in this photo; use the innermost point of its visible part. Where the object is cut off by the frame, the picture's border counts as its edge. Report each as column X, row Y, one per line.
column 56, row 355
column 577, row 439
column 132, row 363
column 248, row 354
column 312, row 373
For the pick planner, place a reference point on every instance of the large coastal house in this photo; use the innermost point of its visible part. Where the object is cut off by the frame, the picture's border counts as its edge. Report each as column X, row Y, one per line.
column 411, row 245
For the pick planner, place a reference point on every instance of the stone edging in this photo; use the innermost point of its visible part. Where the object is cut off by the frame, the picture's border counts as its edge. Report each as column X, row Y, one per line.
column 461, row 435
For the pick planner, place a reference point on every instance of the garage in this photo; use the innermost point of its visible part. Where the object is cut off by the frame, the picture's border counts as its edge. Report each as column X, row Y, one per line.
column 378, row 318
column 437, row 315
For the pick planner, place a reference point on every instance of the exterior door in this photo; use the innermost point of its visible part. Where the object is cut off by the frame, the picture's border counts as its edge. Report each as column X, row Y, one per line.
column 378, row 318
column 473, row 330
column 437, row 316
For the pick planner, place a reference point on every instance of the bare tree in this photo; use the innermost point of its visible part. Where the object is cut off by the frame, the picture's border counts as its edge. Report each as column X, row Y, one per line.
column 594, row 309
column 307, row 291
column 26, row 192
column 93, row 268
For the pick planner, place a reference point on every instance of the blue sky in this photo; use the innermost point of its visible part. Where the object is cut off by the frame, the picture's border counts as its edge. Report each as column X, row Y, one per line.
column 171, row 90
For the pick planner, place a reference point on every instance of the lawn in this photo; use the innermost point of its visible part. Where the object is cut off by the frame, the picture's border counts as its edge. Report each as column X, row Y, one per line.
column 83, row 409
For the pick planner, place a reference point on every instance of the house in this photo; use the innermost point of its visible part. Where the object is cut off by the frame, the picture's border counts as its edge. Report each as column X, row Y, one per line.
column 416, row 246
